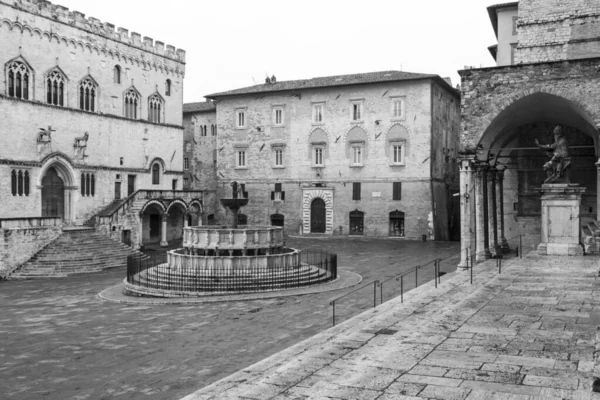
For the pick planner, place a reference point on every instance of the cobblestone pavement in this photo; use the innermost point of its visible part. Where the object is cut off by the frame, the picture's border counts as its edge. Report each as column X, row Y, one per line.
column 529, row 333
column 59, row 340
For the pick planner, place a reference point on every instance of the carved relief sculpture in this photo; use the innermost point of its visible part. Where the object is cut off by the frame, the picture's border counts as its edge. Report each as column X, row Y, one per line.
column 44, row 140
column 80, row 145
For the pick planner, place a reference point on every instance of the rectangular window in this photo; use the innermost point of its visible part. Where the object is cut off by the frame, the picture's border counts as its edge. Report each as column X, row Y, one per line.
column 186, row 163
column 279, row 157
column 278, row 194
column 397, row 108
column 514, row 25
column 186, row 182
column 356, row 191
column 318, row 113
column 241, row 159
column 318, row 156
column 240, row 119
column 397, row 191
column 356, row 111
column 174, row 184
column 278, row 116
column 398, row 154
column 357, row 155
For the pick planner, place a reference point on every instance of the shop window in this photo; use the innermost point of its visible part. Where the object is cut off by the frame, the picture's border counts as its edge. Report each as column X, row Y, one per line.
column 397, row 223
column 357, row 222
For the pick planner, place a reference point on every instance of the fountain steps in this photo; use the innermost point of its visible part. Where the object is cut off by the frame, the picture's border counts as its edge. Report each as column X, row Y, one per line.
column 160, row 280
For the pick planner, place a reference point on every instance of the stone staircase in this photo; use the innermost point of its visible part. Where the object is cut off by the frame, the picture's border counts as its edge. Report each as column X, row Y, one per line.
column 78, row 250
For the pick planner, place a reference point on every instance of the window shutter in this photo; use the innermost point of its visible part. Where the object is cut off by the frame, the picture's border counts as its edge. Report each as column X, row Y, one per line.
column 356, row 191
column 397, row 195
column 272, row 195
column 282, row 196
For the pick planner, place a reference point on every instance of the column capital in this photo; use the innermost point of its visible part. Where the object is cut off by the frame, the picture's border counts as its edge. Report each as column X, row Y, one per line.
column 466, row 162
column 500, row 171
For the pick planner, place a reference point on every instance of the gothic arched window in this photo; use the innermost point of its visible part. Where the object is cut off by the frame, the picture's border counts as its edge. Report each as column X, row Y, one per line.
column 55, row 88
column 155, row 108
column 132, row 101
column 19, row 182
column 18, row 77
column 155, row 174
column 87, row 95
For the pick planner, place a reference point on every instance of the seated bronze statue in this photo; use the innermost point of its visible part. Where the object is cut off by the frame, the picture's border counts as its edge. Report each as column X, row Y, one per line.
column 557, row 168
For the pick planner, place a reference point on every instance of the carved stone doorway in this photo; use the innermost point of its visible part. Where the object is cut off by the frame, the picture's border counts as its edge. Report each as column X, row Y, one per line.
column 53, row 195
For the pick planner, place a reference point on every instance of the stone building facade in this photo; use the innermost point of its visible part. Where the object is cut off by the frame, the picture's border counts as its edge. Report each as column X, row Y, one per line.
column 90, row 115
column 367, row 154
column 200, row 154
column 504, row 109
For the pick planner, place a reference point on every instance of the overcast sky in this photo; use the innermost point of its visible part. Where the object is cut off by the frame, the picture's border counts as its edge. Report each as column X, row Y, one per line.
column 236, row 43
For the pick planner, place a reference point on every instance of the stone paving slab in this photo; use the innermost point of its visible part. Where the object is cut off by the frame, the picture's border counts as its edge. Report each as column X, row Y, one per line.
column 522, row 335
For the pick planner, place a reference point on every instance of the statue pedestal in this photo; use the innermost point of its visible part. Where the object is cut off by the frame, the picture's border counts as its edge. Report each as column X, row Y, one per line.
column 561, row 225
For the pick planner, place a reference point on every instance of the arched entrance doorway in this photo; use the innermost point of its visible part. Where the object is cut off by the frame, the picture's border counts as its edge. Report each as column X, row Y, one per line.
column 53, row 195
column 152, row 223
column 317, row 216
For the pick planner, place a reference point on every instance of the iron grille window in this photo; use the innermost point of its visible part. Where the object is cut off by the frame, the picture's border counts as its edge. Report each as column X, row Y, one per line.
column 356, row 191
column 397, row 191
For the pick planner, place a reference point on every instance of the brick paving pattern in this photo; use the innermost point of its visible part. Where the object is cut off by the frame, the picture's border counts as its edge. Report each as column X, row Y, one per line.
column 61, row 341
column 529, row 333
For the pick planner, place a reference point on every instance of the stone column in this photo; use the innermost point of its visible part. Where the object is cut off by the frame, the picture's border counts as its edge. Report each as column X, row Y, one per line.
column 185, row 221
column 500, row 208
column 467, row 209
column 163, row 231
column 492, row 212
column 481, row 213
column 598, row 192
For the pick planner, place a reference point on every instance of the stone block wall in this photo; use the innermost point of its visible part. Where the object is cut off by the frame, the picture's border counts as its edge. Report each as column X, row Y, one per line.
column 17, row 245
column 551, row 30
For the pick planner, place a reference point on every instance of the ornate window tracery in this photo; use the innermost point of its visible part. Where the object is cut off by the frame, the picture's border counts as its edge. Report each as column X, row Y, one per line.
column 18, row 80
column 132, row 101
column 55, row 88
column 87, row 95
column 155, row 108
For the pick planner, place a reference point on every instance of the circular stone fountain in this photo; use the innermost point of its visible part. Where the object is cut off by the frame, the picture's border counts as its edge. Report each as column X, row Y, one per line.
column 220, row 260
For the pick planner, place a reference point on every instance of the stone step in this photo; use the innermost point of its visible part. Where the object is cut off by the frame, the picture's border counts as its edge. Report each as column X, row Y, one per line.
column 79, row 250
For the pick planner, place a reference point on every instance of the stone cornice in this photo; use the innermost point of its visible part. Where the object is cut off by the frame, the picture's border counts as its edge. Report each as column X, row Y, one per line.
column 86, row 167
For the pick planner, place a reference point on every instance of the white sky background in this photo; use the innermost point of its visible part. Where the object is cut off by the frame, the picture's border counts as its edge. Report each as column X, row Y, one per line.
column 236, row 43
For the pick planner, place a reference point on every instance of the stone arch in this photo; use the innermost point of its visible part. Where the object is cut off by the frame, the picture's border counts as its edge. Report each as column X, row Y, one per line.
column 397, row 133
column 197, row 203
column 319, row 128
column 156, row 203
column 158, row 160
column 64, row 168
column 177, row 203
column 537, row 105
column 355, row 131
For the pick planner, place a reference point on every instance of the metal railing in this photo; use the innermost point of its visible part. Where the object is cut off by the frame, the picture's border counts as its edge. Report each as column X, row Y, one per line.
column 434, row 267
column 151, row 270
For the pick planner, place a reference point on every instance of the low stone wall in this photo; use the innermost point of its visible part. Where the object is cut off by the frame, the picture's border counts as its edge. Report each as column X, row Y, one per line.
column 19, row 244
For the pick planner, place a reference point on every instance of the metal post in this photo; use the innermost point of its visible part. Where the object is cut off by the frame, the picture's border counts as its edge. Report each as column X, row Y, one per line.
column 472, row 265
column 500, row 265
column 435, row 272
column 375, row 294
column 402, row 289
column 416, row 276
column 381, row 293
column 520, row 246
column 333, row 304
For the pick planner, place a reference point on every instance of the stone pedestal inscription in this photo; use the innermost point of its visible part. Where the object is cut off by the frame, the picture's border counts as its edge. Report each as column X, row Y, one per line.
column 561, row 225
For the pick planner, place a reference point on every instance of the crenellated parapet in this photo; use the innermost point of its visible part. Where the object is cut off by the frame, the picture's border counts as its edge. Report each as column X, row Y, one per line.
column 59, row 14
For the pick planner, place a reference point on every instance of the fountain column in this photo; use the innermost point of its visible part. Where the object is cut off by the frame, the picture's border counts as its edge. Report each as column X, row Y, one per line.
column 163, row 231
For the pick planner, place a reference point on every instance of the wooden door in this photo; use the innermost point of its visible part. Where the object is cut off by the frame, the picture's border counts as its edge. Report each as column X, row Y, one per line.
column 53, row 195
column 117, row 190
column 130, row 184
column 317, row 216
